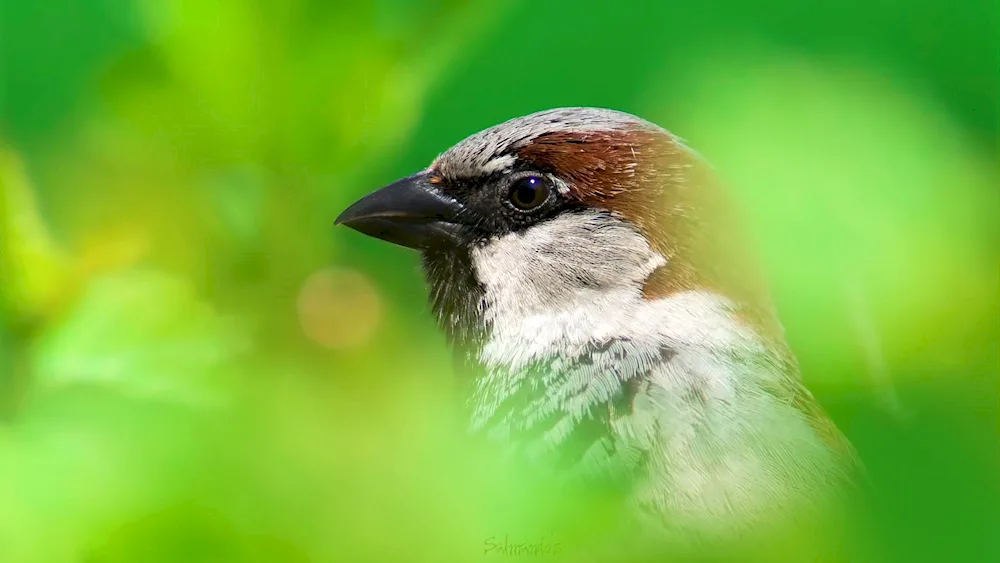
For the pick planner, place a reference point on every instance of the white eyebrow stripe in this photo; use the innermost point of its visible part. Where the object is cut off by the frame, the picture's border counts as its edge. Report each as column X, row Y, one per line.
column 498, row 164
column 561, row 186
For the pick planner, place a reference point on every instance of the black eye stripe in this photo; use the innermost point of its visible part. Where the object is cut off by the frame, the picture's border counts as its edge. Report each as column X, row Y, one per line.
column 490, row 208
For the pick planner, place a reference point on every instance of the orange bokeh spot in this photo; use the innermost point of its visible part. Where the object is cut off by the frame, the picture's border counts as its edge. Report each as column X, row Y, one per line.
column 339, row 308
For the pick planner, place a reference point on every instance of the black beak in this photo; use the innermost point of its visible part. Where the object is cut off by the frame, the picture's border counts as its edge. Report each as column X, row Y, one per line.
column 411, row 212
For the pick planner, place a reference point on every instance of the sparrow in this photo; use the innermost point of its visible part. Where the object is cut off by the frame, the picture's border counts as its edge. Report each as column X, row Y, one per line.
column 589, row 268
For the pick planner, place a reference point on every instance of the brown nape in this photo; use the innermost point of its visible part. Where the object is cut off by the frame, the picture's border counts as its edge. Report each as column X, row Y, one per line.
column 674, row 199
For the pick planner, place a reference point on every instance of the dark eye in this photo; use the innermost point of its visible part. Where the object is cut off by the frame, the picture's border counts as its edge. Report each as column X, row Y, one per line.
column 529, row 193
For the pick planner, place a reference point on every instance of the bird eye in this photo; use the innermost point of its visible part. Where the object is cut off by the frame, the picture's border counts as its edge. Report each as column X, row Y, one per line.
column 529, row 193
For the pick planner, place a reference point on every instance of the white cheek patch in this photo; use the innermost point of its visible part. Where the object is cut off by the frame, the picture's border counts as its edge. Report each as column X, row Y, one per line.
column 577, row 279
column 561, row 263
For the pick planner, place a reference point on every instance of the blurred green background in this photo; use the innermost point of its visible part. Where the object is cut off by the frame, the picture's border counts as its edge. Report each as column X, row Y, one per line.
column 195, row 366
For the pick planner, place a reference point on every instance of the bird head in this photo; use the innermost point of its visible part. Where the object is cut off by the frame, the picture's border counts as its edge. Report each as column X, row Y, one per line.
column 557, row 210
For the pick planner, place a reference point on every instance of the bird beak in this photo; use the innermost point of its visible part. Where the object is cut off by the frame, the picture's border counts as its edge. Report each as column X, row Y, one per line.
column 411, row 212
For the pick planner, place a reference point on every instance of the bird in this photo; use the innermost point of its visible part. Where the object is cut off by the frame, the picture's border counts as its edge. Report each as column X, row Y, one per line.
column 589, row 269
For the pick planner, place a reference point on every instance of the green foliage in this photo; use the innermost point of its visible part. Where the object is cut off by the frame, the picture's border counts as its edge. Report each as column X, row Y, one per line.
column 138, row 332
column 195, row 367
